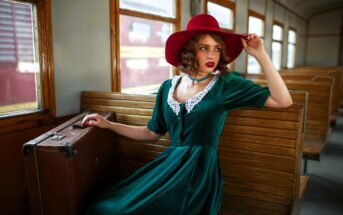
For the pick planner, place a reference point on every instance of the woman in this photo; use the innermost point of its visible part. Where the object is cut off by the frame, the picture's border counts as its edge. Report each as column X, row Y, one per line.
column 186, row 177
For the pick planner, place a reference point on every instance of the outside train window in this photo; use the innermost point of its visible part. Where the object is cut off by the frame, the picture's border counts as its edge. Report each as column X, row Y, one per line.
column 291, row 48
column 277, row 45
column 20, row 84
column 223, row 11
column 144, row 27
column 255, row 25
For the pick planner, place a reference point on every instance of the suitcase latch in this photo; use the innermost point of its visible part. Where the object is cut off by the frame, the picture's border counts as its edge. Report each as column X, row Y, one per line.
column 57, row 136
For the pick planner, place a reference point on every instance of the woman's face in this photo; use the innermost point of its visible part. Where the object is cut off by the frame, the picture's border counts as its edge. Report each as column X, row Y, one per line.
column 207, row 53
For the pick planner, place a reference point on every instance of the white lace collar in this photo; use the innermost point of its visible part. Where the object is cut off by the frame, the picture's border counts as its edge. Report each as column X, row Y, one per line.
column 175, row 105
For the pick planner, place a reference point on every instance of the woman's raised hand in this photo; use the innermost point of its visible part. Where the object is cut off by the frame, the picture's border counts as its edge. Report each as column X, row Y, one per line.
column 95, row 120
column 253, row 45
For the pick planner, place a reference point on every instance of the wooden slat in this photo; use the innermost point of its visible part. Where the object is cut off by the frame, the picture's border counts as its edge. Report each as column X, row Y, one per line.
column 257, row 131
column 318, row 107
column 237, row 205
column 263, row 140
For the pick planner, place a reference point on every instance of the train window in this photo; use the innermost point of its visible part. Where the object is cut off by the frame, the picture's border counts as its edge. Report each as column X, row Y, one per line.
column 142, row 59
column 20, row 77
column 292, row 40
column 277, row 44
column 143, row 27
column 165, row 8
column 223, row 11
column 255, row 25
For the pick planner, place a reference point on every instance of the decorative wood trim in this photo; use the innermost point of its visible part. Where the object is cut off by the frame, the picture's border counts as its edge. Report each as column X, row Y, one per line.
column 257, row 15
column 115, row 52
column 46, row 55
column 224, row 3
column 205, row 6
column 175, row 71
column 178, row 15
column 275, row 22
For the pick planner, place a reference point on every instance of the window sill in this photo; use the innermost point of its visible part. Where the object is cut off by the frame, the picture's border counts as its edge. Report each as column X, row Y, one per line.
column 25, row 120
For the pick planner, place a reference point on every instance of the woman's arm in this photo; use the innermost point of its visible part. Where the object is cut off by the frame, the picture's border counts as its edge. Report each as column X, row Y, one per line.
column 133, row 132
column 279, row 95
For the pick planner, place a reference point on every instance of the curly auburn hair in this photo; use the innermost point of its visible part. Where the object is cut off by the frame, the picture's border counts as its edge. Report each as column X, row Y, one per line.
column 188, row 62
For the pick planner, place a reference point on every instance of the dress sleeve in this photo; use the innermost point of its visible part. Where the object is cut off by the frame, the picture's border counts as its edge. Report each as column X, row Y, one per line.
column 157, row 123
column 238, row 92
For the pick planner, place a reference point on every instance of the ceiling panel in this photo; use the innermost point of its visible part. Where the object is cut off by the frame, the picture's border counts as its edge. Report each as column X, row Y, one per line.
column 307, row 8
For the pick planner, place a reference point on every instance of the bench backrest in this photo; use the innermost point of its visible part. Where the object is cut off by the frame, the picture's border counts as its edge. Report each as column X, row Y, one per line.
column 260, row 151
column 334, row 73
column 319, row 104
column 335, row 102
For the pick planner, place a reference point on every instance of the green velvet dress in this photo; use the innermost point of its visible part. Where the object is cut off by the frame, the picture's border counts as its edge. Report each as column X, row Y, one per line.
column 185, row 179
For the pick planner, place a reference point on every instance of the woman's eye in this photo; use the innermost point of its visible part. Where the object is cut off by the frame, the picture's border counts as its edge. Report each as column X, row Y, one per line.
column 202, row 49
column 218, row 49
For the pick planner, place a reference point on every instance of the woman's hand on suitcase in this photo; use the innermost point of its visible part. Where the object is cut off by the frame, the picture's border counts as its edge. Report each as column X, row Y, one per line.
column 95, row 120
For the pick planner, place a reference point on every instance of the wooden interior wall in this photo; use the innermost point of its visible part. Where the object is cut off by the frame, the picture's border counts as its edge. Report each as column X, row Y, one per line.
column 13, row 189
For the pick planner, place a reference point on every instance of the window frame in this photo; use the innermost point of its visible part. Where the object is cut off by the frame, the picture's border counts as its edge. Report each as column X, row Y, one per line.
column 9, row 122
column 263, row 18
column 295, row 46
column 115, row 12
column 227, row 4
column 281, row 25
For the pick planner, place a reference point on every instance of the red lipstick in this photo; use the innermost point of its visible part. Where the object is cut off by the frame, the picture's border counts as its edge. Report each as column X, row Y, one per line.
column 210, row 64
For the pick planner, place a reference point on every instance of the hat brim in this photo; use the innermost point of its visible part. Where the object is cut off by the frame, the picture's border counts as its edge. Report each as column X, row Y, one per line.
column 177, row 41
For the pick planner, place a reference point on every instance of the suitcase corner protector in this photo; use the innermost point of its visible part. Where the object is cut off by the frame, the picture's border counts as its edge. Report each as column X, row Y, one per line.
column 68, row 150
column 27, row 148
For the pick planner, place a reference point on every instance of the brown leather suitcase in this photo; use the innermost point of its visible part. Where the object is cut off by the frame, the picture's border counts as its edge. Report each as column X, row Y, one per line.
column 68, row 166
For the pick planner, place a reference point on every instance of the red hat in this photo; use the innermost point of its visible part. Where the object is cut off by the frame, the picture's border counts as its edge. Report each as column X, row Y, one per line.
column 203, row 23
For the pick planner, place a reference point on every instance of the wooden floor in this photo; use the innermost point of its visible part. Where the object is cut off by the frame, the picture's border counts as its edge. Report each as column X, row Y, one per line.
column 324, row 194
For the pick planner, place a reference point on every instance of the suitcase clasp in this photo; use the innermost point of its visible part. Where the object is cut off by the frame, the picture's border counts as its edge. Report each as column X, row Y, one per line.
column 57, row 136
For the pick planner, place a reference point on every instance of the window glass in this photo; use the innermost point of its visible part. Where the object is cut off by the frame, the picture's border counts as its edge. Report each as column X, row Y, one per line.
column 291, row 48
column 256, row 26
column 277, row 32
column 290, row 56
column 19, row 64
column 291, row 36
column 164, row 8
column 223, row 15
column 253, row 66
column 142, row 61
column 276, row 54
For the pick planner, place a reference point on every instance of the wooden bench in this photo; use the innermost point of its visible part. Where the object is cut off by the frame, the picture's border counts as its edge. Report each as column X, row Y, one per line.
column 260, row 151
column 335, row 103
column 318, row 115
column 337, row 93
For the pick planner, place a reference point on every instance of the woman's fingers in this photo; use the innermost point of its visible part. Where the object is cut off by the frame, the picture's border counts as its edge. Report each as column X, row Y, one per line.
column 244, row 43
column 89, row 119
